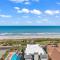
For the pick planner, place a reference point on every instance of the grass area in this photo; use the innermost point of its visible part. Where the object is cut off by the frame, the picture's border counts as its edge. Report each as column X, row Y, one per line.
column 21, row 43
column 24, row 42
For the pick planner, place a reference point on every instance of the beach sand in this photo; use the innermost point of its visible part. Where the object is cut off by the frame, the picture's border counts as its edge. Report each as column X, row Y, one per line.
column 29, row 36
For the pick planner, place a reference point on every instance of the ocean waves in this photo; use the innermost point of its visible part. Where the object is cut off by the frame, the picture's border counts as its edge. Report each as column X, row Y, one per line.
column 27, row 34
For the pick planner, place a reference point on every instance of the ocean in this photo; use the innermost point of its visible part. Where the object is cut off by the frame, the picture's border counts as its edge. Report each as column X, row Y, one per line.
column 20, row 30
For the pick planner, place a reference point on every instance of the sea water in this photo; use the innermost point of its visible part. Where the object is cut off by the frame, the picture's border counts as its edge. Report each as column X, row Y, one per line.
column 20, row 30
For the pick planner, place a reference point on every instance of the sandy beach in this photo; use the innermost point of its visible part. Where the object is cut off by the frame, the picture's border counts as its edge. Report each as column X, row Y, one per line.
column 27, row 36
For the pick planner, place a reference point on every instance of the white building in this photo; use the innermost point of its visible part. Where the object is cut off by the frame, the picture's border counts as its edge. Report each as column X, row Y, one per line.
column 31, row 49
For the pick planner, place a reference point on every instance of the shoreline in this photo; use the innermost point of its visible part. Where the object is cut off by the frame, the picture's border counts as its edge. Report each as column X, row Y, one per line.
column 29, row 37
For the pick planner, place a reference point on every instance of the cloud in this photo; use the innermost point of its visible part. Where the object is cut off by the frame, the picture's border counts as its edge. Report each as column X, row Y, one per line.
column 42, row 21
column 25, row 10
column 27, row 3
column 35, row 0
column 52, row 12
column 29, row 22
column 35, row 11
column 17, row 8
column 45, row 20
column 38, row 21
column 57, row 16
column 25, row 16
column 39, row 16
column 5, row 16
column 18, row 1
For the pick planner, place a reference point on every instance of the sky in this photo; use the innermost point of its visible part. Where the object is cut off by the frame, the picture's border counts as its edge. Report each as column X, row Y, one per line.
column 30, row 12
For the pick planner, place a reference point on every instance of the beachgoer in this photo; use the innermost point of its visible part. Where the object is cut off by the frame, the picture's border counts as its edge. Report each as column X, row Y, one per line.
column 14, row 57
column 19, row 56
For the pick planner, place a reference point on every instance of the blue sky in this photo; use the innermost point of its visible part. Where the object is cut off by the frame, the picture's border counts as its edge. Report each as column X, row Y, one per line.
column 30, row 12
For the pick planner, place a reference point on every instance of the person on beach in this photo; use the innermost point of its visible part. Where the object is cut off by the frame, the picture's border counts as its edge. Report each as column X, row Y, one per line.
column 19, row 57
column 14, row 57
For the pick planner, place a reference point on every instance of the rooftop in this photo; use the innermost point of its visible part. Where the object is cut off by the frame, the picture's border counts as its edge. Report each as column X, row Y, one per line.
column 34, row 48
column 53, row 52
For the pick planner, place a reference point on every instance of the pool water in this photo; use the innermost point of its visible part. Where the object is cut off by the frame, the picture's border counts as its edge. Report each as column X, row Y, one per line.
column 16, row 57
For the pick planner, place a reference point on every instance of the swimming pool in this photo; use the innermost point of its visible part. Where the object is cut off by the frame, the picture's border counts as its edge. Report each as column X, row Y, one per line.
column 16, row 57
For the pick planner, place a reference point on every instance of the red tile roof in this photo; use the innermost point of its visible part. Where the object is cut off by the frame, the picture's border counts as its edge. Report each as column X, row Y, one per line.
column 53, row 52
